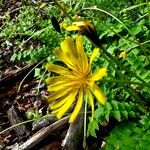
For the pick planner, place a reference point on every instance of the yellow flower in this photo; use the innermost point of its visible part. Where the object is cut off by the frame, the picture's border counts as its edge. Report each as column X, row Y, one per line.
column 75, row 80
column 85, row 27
column 123, row 55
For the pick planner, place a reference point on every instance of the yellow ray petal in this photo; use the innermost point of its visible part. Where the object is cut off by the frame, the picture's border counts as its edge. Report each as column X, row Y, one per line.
column 55, row 87
column 78, row 26
column 57, row 69
column 55, row 111
column 79, row 23
column 63, row 24
column 60, row 102
column 68, row 47
column 91, row 100
column 81, row 53
column 95, row 53
column 53, row 80
column 68, row 60
column 99, row 74
column 79, row 45
column 72, row 28
column 98, row 93
column 65, row 84
column 67, row 105
column 60, row 93
column 77, row 108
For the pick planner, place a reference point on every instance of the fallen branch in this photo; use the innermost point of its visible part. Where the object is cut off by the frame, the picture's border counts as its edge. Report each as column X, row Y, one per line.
column 11, row 79
column 15, row 74
column 43, row 133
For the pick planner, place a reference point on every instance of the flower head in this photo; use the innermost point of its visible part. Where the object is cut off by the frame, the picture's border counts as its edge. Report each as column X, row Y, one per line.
column 85, row 27
column 75, row 80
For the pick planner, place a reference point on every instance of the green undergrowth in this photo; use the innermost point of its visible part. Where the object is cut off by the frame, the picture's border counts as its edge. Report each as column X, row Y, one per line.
column 122, row 26
column 31, row 31
column 130, row 135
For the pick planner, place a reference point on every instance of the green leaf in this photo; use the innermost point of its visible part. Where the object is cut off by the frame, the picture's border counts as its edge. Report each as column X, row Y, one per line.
column 121, row 106
column 107, row 114
column 114, row 105
column 99, row 112
column 13, row 57
column 108, row 106
column 37, row 72
column 132, row 114
column 33, row 114
column 128, row 135
column 124, row 114
column 92, row 127
column 117, row 115
column 19, row 56
column 127, row 106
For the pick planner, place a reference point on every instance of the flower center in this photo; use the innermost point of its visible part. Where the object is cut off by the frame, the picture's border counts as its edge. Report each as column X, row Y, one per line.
column 84, row 81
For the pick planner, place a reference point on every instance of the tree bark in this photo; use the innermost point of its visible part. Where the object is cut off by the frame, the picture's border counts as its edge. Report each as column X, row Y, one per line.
column 74, row 136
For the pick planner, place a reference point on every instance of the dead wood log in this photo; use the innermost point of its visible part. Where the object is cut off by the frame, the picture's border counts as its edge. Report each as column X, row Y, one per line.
column 14, row 75
column 15, row 118
column 10, row 80
column 74, row 136
column 43, row 133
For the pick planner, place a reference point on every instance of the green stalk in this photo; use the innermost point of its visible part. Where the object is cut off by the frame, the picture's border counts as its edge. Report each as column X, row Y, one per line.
column 24, row 122
column 16, row 125
column 85, row 118
column 137, row 98
column 29, row 74
column 123, row 82
column 134, row 6
column 141, row 44
column 148, row 7
column 108, row 13
column 38, row 88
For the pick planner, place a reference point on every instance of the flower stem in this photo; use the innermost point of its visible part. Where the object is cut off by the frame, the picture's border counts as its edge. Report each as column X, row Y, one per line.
column 38, row 87
column 29, row 73
column 85, row 119
column 132, row 92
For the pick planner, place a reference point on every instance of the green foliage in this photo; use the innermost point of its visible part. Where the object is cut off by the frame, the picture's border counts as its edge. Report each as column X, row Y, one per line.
column 22, row 24
column 130, row 35
column 33, row 114
column 130, row 135
column 122, row 26
column 118, row 110
column 31, row 33
column 33, row 55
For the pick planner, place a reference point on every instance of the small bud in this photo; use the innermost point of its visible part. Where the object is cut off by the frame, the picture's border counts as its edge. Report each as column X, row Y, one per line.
column 123, row 55
column 55, row 24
